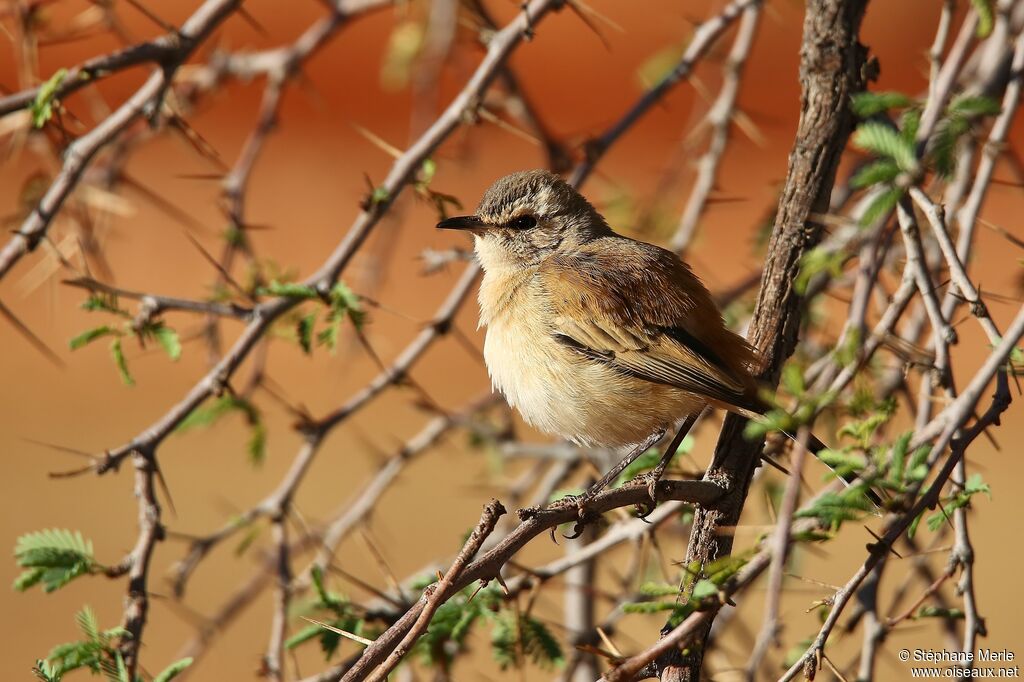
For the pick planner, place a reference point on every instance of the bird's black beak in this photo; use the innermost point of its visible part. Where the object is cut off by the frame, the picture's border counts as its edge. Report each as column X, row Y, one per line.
column 466, row 222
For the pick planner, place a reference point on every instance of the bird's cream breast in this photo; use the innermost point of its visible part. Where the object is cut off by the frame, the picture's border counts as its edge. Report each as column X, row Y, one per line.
column 554, row 388
column 524, row 361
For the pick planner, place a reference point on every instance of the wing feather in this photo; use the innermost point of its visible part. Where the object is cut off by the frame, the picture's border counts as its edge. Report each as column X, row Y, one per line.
column 640, row 310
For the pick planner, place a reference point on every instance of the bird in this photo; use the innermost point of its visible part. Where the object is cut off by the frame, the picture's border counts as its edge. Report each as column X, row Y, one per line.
column 593, row 336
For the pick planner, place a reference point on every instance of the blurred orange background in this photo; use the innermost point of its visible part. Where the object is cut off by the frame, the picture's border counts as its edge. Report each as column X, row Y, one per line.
column 305, row 190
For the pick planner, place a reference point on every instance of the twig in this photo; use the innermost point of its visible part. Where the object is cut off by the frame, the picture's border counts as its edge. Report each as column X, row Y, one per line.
column 719, row 118
column 949, row 420
column 703, row 38
column 780, row 546
column 533, row 522
column 433, row 598
column 80, row 152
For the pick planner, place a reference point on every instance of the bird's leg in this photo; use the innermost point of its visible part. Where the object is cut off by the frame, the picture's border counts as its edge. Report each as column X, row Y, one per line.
column 655, row 474
column 613, row 473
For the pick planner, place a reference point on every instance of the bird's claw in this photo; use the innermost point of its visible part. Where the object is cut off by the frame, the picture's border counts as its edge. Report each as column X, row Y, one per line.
column 583, row 515
column 651, row 480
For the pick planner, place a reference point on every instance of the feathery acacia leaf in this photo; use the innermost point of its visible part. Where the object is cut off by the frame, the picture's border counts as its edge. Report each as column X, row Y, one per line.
column 90, row 335
column 117, row 352
column 886, row 142
column 53, row 557
column 867, row 104
column 877, row 171
column 173, row 670
column 46, row 99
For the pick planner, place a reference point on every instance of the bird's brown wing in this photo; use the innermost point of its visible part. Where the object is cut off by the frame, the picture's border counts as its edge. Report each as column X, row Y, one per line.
column 640, row 310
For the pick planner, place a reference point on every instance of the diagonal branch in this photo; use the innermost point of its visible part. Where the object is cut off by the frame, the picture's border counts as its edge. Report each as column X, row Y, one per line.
column 79, row 154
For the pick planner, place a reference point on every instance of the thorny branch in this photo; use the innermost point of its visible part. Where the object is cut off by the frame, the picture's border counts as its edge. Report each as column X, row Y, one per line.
column 903, row 261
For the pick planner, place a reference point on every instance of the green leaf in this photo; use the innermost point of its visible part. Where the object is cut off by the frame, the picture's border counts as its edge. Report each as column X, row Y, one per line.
column 897, row 462
column 881, row 205
column 54, row 558
column 974, row 105
column 97, row 652
column 944, row 144
column 917, row 469
column 378, row 196
column 885, row 142
column 208, row 415
column 910, row 123
column 513, row 633
column 119, row 361
column 173, row 670
column 302, row 636
column 43, row 105
column 647, row 607
column 289, row 290
column 912, row 529
column 46, row 672
column 122, row 671
column 797, row 652
column 105, row 303
column 328, row 336
column 876, row 172
column 234, row 236
column 403, row 47
column 703, row 589
column 841, row 463
column 88, row 624
column 427, row 171
column 867, row 104
column 832, row 509
column 937, row 612
column 985, row 17
column 344, row 300
column 541, row 644
column 975, row 484
column 815, row 262
column 90, row 335
column 659, row 589
column 793, row 379
column 847, row 352
column 771, row 421
column 304, row 332
column 247, row 539
column 168, row 339
column 257, row 446
column 863, row 430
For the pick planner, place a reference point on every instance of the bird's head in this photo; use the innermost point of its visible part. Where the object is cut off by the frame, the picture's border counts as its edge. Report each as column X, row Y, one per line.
column 527, row 216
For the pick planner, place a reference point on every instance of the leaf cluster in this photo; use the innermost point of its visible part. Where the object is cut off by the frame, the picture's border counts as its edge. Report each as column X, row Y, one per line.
column 151, row 330
column 98, row 653
column 704, row 589
column 53, row 558
column 214, row 410
column 340, row 614
column 897, row 165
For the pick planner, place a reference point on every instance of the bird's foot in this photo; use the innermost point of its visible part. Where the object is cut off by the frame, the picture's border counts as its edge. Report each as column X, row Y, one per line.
column 650, row 479
column 584, row 515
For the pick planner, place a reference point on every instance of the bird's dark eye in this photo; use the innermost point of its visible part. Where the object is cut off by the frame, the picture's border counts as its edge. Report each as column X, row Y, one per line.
column 523, row 222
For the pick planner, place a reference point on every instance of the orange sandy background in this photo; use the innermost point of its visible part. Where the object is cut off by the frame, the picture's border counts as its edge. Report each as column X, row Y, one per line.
column 305, row 189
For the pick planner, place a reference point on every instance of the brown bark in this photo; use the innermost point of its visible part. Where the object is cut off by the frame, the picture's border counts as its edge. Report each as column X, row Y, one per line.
column 831, row 70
